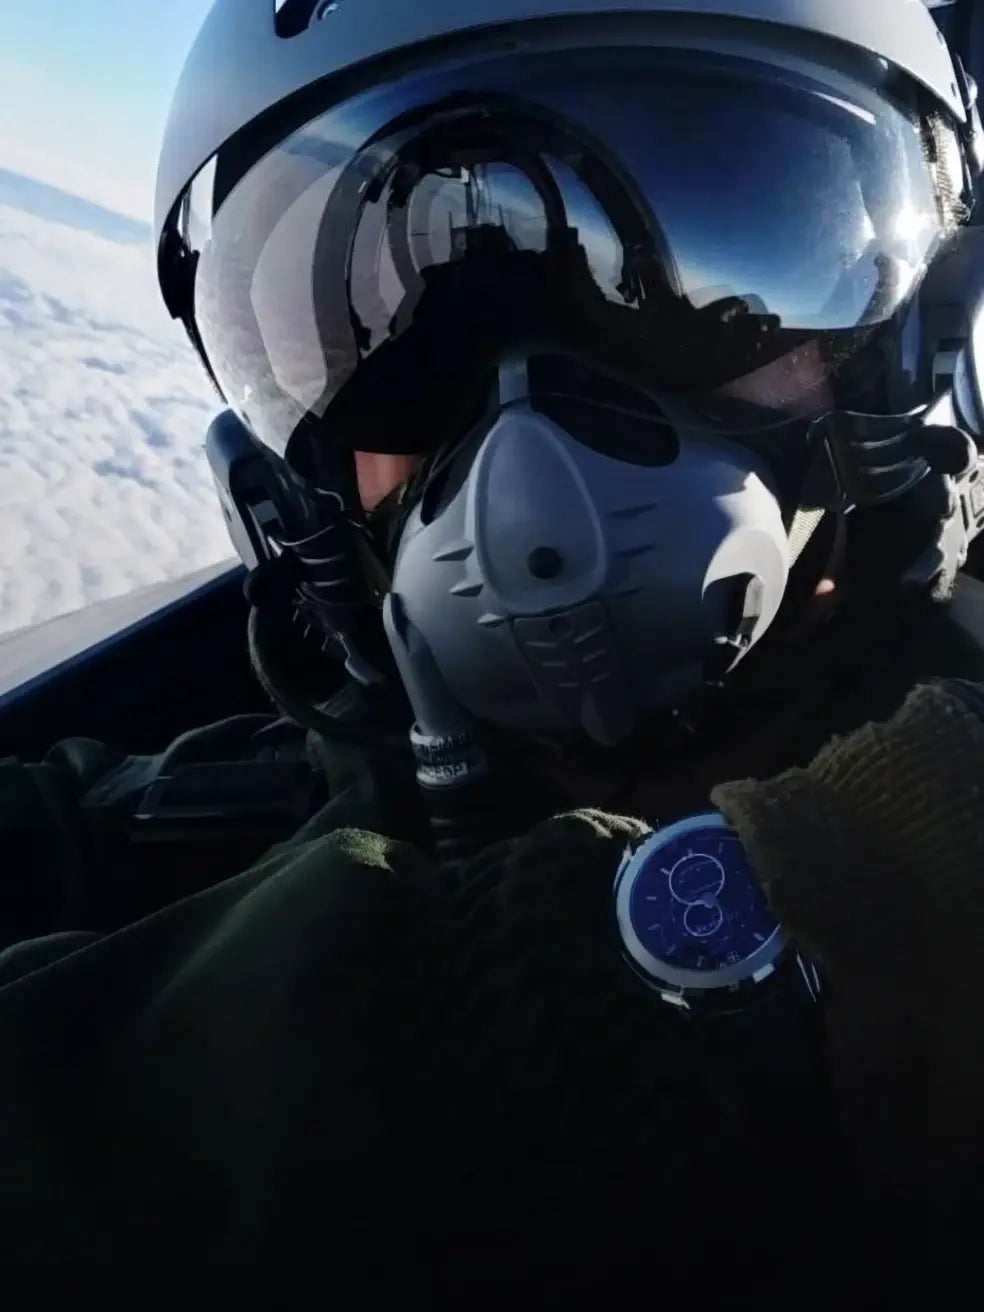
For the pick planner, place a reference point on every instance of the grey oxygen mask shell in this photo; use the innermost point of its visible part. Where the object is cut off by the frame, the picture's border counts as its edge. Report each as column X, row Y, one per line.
column 558, row 591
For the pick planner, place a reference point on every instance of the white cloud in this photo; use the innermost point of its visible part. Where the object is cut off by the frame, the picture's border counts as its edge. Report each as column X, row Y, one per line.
column 103, row 482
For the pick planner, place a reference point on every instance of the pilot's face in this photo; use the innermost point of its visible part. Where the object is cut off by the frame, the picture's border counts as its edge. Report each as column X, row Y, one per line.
column 377, row 475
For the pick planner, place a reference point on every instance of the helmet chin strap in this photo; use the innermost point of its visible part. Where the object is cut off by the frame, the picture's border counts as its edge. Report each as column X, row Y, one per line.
column 802, row 527
column 917, row 480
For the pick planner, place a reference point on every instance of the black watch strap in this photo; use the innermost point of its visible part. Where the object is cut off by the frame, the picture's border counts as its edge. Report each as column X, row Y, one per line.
column 770, row 1060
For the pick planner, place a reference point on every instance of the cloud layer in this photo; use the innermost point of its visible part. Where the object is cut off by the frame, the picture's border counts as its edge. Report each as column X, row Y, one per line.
column 103, row 482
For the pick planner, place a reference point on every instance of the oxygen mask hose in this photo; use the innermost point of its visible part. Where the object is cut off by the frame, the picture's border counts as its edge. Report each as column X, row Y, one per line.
column 452, row 766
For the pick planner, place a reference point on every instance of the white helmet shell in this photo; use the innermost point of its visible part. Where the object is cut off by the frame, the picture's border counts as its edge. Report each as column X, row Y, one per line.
column 239, row 68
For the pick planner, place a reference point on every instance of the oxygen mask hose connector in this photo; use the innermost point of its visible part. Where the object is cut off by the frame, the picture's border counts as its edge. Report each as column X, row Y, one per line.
column 452, row 767
column 453, row 776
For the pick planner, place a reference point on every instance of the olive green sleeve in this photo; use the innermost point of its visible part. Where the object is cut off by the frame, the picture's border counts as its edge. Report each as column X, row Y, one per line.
column 873, row 858
column 161, row 1086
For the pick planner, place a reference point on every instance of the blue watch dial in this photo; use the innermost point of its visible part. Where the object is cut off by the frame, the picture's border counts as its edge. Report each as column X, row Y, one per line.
column 694, row 903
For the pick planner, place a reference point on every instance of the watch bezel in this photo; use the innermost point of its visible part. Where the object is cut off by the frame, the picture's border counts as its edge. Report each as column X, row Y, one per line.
column 660, row 974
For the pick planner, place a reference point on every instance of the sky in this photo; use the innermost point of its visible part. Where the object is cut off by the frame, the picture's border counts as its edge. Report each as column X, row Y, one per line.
column 104, row 486
column 84, row 92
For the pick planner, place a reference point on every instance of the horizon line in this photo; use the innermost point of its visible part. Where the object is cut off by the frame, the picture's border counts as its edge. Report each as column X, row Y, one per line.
column 46, row 177
column 79, row 210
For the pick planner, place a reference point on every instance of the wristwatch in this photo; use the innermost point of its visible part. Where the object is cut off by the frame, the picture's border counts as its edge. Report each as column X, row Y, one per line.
column 696, row 929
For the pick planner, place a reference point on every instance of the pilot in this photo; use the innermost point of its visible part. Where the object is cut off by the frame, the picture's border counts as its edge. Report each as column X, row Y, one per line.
column 595, row 443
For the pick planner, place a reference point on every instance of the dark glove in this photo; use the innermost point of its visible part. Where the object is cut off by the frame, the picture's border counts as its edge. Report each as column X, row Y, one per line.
column 873, row 858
